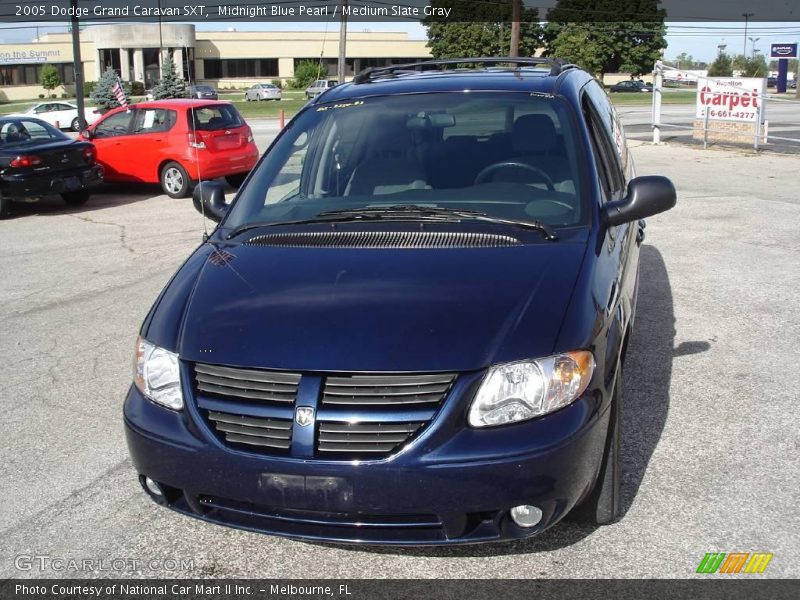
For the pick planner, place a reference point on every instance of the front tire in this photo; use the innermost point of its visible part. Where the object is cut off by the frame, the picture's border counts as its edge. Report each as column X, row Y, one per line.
column 5, row 207
column 175, row 180
column 602, row 506
column 75, row 198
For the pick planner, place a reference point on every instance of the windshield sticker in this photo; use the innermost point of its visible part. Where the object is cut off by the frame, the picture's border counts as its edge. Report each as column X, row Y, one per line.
column 340, row 105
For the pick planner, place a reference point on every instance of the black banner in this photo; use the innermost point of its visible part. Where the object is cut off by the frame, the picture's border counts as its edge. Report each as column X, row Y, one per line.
column 711, row 588
column 200, row 11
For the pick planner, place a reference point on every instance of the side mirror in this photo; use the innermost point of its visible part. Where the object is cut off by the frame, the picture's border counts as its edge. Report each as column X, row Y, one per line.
column 209, row 200
column 87, row 134
column 647, row 196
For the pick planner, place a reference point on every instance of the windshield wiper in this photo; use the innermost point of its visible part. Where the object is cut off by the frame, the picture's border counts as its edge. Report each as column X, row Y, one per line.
column 402, row 211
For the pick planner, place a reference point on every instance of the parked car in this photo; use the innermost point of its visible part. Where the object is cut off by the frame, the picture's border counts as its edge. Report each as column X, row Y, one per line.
column 263, row 91
column 631, row 86
column 772, row 82
column 319, row 86
column 175, row 143
column 410, row 325
column 60, row 114
column 202, row 92
column 36, row 159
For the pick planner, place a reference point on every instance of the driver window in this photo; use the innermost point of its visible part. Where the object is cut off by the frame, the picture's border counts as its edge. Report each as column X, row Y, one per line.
column 115, row 125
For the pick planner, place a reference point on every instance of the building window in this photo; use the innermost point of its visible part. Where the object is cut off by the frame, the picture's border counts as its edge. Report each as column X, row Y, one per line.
column 216, row 68
column 29, row 74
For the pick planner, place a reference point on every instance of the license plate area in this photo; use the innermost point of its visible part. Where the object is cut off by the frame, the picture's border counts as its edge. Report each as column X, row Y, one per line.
column 306, row 491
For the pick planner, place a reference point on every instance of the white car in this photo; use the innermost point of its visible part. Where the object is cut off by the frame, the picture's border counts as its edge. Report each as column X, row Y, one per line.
column 263, row 91
column 63, row 115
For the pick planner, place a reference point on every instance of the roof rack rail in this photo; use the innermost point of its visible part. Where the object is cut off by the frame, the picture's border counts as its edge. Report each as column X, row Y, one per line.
column 557, row 66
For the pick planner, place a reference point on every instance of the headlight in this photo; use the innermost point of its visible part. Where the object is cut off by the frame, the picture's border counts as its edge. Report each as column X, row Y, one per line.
column 524, row 390
column 157, row 375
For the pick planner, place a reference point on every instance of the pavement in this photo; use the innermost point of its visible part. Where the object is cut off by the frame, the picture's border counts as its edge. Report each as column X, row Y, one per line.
column 710, row 399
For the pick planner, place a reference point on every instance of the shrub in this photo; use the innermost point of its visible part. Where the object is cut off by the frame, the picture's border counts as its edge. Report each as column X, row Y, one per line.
column 49, row 78
column 305, row 72
column 41, row 96
column 277, row 82
column 137, row 88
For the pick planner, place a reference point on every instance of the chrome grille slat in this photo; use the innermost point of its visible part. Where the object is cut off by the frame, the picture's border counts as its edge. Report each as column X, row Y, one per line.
column 388, row 380
column 250, row 421
column 276, row 434
column 384, row 239
column 248, row 374
column 404, row 390
column 369, row 427
column 251, row 385
column 244, row 393
column 383, row 400
column 258, row 441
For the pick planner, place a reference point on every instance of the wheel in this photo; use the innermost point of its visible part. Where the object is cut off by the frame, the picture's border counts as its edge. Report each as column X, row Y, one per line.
column 601, row 507
column 75, row 125
column 236, row 180
column 485, row 174
column 175, row 180
column 75, row 198
column 5, row 207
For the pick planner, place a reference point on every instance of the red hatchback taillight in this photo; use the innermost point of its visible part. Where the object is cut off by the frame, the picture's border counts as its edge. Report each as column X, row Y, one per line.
column 196, row 140
column 249, row 135
column 90, row 155
column 25, row 161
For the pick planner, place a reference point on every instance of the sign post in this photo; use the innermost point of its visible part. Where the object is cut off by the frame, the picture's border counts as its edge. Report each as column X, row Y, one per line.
column 783, row 52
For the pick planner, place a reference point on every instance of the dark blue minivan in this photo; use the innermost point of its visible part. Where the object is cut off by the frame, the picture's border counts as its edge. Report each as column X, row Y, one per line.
column 410, row 324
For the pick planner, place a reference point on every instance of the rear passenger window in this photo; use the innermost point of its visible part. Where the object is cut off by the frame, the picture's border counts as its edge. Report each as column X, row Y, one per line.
column 154, row 120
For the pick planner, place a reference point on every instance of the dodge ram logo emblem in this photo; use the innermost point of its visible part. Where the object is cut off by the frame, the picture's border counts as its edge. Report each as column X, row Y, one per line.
column 304, row 415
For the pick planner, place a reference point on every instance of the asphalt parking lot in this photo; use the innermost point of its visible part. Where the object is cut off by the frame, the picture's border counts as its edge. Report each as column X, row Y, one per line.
column 710, row 410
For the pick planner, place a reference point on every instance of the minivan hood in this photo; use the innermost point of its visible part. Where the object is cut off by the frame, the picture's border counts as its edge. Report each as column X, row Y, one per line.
column 351, row 310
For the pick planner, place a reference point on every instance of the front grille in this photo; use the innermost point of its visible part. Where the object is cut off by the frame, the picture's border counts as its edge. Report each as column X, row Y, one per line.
column 357, row 416
column 250, row 384
column 252, row 431
column 391, row 408
column 384, row 239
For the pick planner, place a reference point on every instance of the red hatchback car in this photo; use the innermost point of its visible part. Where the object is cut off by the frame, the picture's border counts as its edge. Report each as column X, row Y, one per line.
column 175, row 143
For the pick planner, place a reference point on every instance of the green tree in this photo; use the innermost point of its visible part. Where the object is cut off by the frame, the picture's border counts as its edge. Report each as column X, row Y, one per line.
column 49, row 78
column 721, row 67
column 305, row 72
column 616, row 35
column 480, row 28
column 755, row 66
column 170, row 85
column 101, row 94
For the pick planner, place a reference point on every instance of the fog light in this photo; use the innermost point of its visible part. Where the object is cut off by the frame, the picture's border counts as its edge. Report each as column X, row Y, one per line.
column 526, row 515
column 153, row 487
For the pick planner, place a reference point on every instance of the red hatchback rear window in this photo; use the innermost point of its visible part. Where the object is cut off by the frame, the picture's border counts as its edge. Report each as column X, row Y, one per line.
column 218, row 116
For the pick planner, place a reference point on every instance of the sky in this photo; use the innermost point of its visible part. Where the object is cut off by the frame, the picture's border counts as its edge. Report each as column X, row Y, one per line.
column 700, row 40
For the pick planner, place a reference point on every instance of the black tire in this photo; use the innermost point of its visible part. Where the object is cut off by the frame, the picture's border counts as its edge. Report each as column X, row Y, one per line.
column 175, row 180
column 75, row 198
column 75, row 125
column 237, row 180
column 5, row 207
column 602, row 506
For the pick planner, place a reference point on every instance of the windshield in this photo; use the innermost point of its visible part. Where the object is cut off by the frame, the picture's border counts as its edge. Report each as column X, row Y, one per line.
column 507, row 155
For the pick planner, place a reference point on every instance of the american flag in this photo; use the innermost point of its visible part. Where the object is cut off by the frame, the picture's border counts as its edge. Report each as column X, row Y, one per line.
column 119, row 93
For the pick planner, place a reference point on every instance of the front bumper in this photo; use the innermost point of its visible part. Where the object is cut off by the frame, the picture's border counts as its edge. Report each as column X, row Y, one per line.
column 451, row 485
column 26, row 185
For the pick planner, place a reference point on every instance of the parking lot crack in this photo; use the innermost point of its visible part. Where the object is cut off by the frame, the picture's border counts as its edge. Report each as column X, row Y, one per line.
column 122, row 230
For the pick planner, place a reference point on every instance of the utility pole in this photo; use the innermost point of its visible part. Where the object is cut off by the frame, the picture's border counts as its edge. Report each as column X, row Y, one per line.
column 746, row 16
column 77, row 65
column 342, row 66
column 514, row 28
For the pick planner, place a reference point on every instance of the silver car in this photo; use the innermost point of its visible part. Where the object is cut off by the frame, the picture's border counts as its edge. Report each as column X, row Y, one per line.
column 263, row 91
column 319, row 86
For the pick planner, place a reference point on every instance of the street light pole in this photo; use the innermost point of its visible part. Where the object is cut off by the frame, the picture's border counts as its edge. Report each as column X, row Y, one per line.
column 77, row 65
column 340, row 68
column 753, row 41
column 746, row 16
